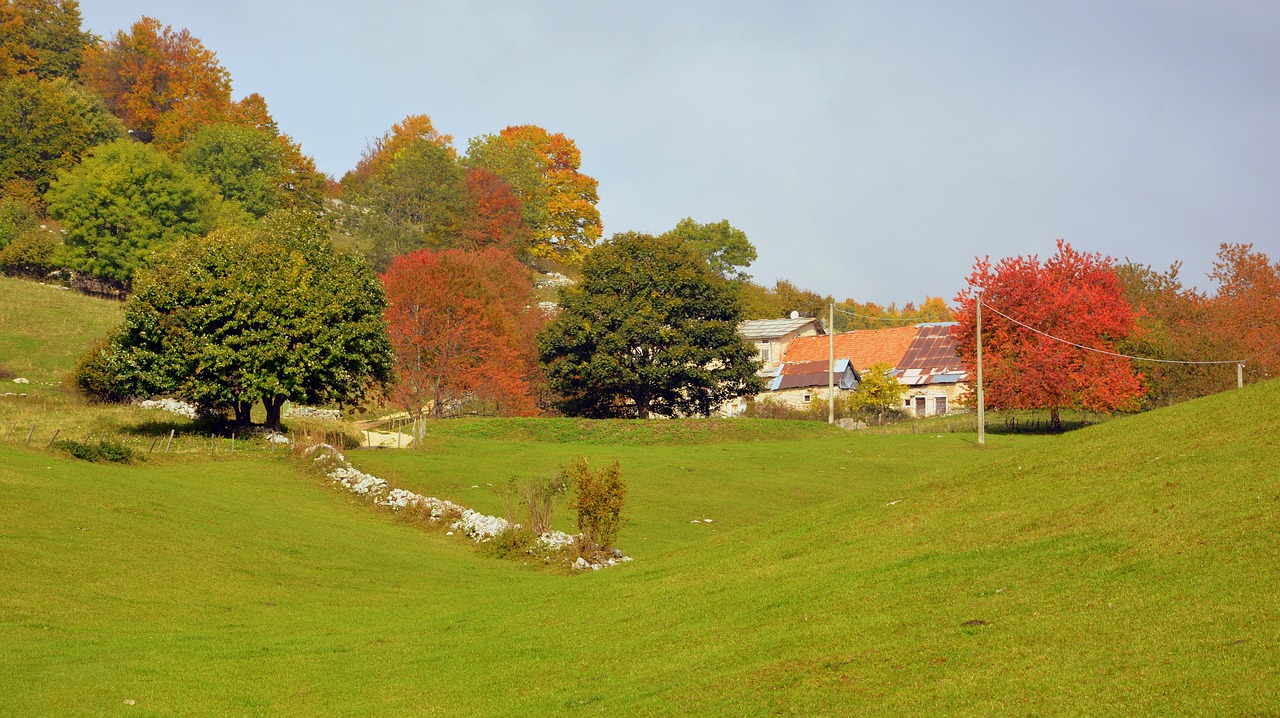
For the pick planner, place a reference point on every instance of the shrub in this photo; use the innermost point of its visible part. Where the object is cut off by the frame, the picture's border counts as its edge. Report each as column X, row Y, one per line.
column 101, row 451
column 598, row 499
column 34, row 252
column 532, row 502
column 96, row 376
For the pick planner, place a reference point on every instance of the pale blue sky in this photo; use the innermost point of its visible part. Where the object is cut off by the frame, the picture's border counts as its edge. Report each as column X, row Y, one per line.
column 869, row 150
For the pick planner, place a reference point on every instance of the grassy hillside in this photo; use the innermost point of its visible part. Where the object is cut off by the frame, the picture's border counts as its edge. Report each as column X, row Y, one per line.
column 1126, row 569
column 47, row 328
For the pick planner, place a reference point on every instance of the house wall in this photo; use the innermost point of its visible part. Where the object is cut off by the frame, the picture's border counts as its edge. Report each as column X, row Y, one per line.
column 778, row 345
column 931, row 392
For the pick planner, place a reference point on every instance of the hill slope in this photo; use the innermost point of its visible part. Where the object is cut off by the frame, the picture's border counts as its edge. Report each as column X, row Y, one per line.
column 1126, row 569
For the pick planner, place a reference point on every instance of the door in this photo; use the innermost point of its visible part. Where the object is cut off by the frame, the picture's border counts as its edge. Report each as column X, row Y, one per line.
column 920, row 406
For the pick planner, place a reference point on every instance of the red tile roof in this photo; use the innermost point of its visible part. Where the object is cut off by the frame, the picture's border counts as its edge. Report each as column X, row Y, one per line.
column 863, row 347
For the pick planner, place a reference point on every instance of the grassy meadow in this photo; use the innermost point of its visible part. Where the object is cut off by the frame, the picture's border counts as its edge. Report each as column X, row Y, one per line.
column 1128, row 568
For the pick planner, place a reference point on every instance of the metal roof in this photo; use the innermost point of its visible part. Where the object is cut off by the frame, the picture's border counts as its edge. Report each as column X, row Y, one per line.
column 773, row 328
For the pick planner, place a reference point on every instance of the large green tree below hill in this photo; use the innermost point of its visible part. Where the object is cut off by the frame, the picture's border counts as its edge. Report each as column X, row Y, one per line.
column 269, row 314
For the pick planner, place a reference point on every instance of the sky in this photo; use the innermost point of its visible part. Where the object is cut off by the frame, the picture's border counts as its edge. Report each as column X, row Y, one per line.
column 870, row 150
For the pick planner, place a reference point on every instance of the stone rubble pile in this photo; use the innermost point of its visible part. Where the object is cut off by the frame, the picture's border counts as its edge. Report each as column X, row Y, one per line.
column 480, row 527
column 172, row 406
column 310, row 412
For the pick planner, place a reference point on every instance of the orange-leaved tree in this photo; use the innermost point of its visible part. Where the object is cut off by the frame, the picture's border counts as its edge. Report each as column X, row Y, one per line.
column 558, row 201
column 379, row 155
column 1072, row 297
column 1248, row 304
column 165, row 84
column 462, row 325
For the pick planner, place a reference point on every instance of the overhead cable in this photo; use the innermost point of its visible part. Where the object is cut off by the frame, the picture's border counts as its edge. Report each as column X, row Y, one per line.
column 1125, row 356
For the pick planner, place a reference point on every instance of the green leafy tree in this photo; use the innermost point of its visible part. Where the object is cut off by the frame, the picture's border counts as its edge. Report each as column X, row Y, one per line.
column 417, row 199
column 725, row 247
column 650, row 329
column 240, row 316
column 125, row 201
column 879, row 392
column 41, row 38
column 246, row 164
column 47, row 127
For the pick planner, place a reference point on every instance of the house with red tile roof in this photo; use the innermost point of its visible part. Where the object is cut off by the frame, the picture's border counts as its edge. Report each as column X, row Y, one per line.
column 923, row 357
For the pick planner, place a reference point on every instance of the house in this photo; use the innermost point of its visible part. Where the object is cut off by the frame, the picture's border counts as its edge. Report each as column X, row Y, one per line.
column 923, row 357
column 932, row 370
column 799, row 384
column 771, row 337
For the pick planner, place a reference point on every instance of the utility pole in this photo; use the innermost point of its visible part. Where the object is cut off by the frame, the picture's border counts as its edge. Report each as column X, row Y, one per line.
column 831, row 364
column 982, row 418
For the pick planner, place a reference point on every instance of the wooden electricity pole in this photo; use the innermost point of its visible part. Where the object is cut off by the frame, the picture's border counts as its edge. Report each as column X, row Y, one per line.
column 982, row 419
column 831, row 364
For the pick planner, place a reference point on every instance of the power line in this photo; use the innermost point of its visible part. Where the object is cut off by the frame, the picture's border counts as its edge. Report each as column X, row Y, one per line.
column 1124, row 356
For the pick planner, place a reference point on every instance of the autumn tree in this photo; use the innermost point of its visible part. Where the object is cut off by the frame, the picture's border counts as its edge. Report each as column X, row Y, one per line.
column 650, row 330
column 1175, row 324
column 1073, row 296
column 165, row 84
column 270, row 313
column 410, row 191
column 784, row 297
column 557, row 200
column 726, row 248
column 462, row 326
column 493, row 216
column 127, row 200
column 1248, row 303
column 852, row 315
column 378, row 156
column 41, row 38
column 47, row 126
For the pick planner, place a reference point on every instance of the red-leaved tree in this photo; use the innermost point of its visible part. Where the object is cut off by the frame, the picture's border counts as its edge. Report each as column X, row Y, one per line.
column 1073, row 296
column 462, row 325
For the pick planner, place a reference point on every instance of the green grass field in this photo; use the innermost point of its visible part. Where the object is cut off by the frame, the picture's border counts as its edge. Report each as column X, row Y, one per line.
column 1129, row 568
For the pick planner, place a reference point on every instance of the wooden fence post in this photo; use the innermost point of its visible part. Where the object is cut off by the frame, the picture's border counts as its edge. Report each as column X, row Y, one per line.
column 29, row 433
column 55, row 436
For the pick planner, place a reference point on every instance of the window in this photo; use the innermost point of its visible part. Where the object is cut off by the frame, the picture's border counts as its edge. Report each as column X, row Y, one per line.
column 941, row 406
column 808, row 397
column 906, row 402
column 765, row 352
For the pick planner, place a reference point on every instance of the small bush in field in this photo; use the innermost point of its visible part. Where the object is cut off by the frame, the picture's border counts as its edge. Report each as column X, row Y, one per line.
column 102, row 451
column 598, row 498
column 96, row 377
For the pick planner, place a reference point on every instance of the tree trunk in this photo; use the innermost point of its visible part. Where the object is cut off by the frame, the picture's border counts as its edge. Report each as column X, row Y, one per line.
column 273, row 404
column 1055, row 421
column 242, row 409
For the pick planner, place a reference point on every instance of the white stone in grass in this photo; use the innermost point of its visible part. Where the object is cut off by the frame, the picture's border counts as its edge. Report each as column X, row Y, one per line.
column 21, row 380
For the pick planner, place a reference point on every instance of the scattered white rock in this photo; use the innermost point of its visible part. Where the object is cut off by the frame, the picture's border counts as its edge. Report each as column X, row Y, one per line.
column 480, row 527
column 173, row 406
column 553, row 279
column 310, row 412
column 706, row 521
column 275, row 437
column 21, row 380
